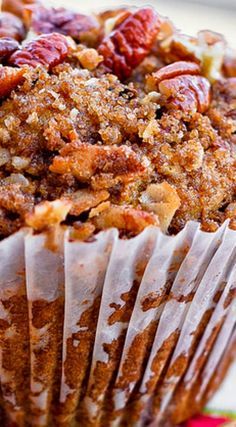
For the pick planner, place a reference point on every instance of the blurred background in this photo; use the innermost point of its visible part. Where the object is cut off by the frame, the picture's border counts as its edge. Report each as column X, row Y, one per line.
column 188, row 15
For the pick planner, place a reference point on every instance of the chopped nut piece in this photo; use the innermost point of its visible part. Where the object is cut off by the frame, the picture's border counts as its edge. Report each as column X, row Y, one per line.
column 17, row 178
column 230, row 211
column 151, row 97
column 213, row 46
column 207, row 49
column 163, row 200
column 4, row 156
column 189, row 93
column 82, row 231
column 47, row 214
column 124, row 218
column 178, row 68
column 13, row 197
column 179, row 47
column 99, row 209
column 229, row 63
column 20, row 162
column 10, row 78
column 84, row 161
column 89, row 58
column 85, row 199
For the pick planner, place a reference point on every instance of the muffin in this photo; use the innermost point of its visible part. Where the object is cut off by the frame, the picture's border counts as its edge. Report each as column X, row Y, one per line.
column 117, row 217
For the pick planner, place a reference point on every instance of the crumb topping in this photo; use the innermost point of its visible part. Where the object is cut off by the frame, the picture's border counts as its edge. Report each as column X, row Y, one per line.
column 157, row 148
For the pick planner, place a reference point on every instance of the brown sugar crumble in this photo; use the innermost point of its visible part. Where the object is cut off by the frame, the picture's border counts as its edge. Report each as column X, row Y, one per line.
column 112, row 128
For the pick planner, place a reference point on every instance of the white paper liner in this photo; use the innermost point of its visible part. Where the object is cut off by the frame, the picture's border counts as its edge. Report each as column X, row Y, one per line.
column 224, row 315
column 149, row 295
column 228, row 314
column 220, row 367
column 122, row 277
column 219, row 348
column 45, row 290
column 156, row 283
column 202, row 368
column 203, row 300
column 85, row 268
column 168, row 334
column 13, row 328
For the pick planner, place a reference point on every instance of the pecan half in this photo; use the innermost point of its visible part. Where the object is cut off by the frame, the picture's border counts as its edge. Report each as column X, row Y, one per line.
column 178, row 47
column 7, row 47
column 126, row 47
column 229, row 64
column 76, row 25
column 16, row 6
column 207, row 49
column 11, row 26
column 124, row 218
column 188, row 93
column 10, row 78
column 173, row 70
column 83, row 161
column 47, row 50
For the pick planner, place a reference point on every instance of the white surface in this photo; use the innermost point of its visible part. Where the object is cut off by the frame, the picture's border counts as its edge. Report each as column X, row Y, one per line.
column 225, row 398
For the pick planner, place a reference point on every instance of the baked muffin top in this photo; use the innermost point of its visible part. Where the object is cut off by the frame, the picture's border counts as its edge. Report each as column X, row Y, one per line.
column 114, row 120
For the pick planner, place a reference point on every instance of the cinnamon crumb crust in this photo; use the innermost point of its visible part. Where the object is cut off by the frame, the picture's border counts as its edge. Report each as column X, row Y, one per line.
column 79, row 135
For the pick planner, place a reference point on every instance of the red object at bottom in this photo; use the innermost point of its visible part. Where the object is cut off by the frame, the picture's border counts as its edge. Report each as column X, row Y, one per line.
column 205, row 421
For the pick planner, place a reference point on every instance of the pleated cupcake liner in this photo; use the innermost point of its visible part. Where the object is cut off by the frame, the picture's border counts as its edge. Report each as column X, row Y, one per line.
column 114, row 332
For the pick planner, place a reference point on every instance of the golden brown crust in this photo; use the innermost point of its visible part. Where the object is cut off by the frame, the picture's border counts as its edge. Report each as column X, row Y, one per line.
column 77, row 129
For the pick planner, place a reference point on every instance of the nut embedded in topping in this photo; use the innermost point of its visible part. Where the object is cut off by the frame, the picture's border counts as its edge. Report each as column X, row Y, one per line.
column 230, row 211
column 229, row 63
column 124, row 218
column 5, row 156
column 85, row 199
column 47, row 50
column 80, row 27
column 88, row 58
column 163, row 200
column 10, row 78
column 126, row 47
column 11, row 26
column 207, row 49
column 48, row 214
column 188, row 93
column 84, row 161
column 7, row 47
column 178, row 68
